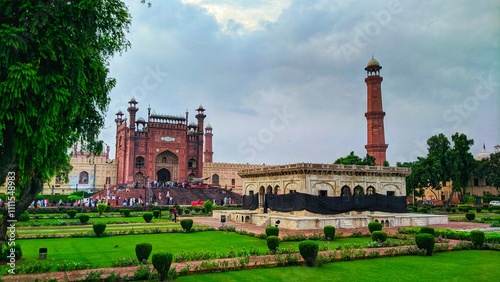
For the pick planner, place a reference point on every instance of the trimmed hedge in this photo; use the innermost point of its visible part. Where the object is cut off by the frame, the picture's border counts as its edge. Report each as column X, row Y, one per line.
column 477, row 237
column 470, row 216
column 309, row 251
column 427, row 229
column 156, row 213
column 329, row 232
column 25, row 216
column 272, row 231
column 125, row 212
column 84, row 218
column 425, row 241
column 374, row 226
column 379, row 236
column 71, row 213
column 99, row 228
column 187, row 224
column 207, row 207
column 142, row 251
column 273, row 242
column 147, row 216
column 162, row 262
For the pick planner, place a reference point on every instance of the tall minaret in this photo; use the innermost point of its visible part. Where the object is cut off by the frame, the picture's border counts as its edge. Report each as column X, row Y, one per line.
column 208, row 144
column 376, row 146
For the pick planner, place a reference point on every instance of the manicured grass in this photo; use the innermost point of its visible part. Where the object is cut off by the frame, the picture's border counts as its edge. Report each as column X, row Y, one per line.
column 448, row 266
column 101, row 252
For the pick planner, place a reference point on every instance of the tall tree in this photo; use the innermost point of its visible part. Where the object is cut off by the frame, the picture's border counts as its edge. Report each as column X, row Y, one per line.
column 462, row 163
column 54, row 86
column 490, row 169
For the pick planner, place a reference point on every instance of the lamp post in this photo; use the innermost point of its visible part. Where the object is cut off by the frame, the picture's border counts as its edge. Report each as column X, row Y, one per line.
column 145, row 189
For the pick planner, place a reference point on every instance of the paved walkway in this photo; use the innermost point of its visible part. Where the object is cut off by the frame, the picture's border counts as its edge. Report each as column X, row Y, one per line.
column 254, row 261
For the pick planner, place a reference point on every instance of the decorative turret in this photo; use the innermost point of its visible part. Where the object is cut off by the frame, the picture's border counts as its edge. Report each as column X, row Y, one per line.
column 208, row 153
column 132, row 109
column 119, row 118
column 200, row 117
column 376, row 146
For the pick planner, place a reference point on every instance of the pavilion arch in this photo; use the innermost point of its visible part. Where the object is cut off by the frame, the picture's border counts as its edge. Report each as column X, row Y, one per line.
column 324, row 186
column 276, row 189
column 262, row 196
column 345, row 191
column 370, row 190
column 269, row 189
column 215, row 178
column 167, row 157
column 359, row 191
column 290, row 188
column 250, row 190
column 392, row 187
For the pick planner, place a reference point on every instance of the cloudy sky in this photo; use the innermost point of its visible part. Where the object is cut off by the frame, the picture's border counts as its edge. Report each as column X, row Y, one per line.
column 282, row 81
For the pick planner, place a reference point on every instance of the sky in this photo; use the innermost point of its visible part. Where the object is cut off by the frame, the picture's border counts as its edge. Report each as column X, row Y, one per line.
column 282, row 81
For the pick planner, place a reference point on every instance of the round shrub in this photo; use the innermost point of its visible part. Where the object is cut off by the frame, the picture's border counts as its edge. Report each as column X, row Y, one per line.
column 25, row 216
column 427, row 229
column 329, row 232
column 479, row 209
column 425, row 241
column 187, row 224
column 273, row 242
column 162, row 262
column 156, row 213
column 84, row 218
column 309, row 251
column 374, row 226
column 142, row 251
column 470, row 216
column 71, row 213
column 126, row 212
column 207, row 206
column 477, row 238
column 101, row 208
column 379, row 236
column 147, row 216
column 272, row 231
column 99, row 228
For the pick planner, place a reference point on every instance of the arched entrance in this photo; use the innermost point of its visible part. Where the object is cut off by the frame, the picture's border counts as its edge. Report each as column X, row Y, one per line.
column 163, row 175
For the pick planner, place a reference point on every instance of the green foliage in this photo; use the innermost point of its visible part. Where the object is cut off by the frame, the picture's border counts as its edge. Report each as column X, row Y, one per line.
column 352, row 159
column 329, row 232
column 427, row 229
column 470, row 216
column 101, row 208
column 379, row 236
column 99, row 228
column 207, row 206
column 477, row 237
column 374, row 226
column 125, row 212
column 187, row 225
column 54, row 85
column 464, row 208
column 162, row 262
column 273, row 242
column 25, row 216
column 156, row 214
column 272, row 231
column 113, row 277
column 142, row 251
column 84, row 218
column 6, row 254
column 425, row 241
column 147, row 216
column 142, row 273
column 71, row 213
column 308, row 249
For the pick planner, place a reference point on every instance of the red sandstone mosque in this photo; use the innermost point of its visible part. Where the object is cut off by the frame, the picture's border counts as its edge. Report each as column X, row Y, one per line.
column 164, row 148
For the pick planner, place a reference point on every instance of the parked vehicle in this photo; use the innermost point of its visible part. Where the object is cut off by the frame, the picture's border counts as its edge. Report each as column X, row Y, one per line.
column 495, row 203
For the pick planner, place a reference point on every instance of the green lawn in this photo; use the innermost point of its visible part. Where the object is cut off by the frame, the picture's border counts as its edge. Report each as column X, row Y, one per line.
column 101, row 252
column 449, row 266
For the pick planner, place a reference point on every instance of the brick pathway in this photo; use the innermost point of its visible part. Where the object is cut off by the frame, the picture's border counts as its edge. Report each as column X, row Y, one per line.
column 79, row 274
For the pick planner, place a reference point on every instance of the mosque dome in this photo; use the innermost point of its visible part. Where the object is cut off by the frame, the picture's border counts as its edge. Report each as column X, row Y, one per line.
column 483, row 155
column 372, row 63
column 141, row 120
column 208, row 126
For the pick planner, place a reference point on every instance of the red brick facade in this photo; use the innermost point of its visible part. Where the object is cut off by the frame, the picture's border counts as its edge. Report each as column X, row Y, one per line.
column 161, row 148
column 376, row 145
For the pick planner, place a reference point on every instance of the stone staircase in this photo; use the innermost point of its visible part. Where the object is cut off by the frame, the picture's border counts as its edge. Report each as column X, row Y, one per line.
column 182, row 196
